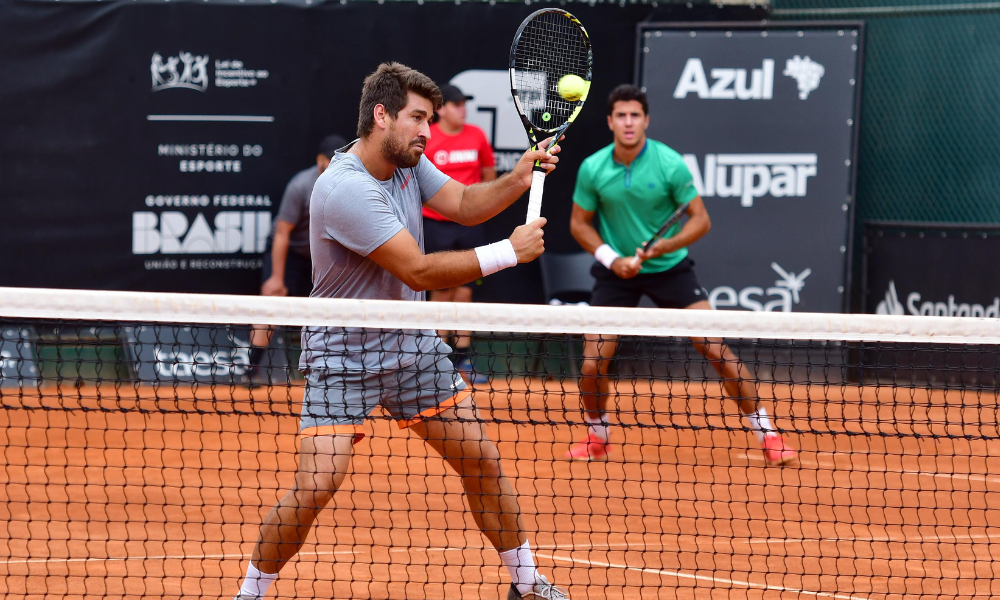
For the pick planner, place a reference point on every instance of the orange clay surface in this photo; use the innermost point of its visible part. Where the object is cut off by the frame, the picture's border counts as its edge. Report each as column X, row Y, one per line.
column 139, row 492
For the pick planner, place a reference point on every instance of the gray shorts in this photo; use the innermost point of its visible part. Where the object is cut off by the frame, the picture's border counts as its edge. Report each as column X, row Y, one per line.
column 339, row 402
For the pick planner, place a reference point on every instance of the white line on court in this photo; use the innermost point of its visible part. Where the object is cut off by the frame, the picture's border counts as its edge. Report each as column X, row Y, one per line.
column 833, row 463
column 214, row 118
column 709, row 578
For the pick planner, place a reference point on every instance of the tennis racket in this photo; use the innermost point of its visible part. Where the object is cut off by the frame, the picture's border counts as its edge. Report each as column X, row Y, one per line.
column 662, row 231
column 549, row 44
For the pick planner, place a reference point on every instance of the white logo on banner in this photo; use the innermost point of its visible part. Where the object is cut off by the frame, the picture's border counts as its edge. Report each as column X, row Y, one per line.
column 492, row 110
column 806, row 72
column 187, row 361
column 727, row 84
column 891, row 305
column 746, row 84
column 170, row 232
column 778, row 298
column 749, row 176
column 193, row 75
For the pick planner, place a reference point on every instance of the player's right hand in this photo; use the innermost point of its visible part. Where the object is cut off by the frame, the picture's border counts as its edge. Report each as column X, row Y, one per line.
column 626, row 267
column 528, row 240
column 273, row 287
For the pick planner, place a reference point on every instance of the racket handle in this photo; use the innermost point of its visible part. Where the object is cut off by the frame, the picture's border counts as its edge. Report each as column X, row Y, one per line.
column 635, row 259
column 535, row 195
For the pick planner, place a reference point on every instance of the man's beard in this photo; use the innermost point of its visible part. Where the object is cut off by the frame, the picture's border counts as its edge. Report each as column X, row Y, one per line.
column 399, row 153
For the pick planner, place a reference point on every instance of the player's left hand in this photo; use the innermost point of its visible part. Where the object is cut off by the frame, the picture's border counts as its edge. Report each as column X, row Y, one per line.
column 664, row 246
column 548, row 158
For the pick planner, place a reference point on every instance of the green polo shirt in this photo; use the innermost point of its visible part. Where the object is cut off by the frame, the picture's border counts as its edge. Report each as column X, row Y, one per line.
column 633, row 202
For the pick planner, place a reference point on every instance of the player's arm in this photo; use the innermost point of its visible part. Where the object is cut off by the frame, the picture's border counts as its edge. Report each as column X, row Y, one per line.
column 275, row 284
column 477, row 203
column 697, row 226
column 402, row 257
column 581, row 227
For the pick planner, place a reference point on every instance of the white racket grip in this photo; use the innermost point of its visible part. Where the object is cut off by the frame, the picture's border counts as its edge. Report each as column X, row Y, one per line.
column 635, row 259
column 535, row 195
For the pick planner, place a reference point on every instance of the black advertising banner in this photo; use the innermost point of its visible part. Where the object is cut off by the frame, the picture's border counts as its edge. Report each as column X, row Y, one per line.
column 146, row 146
column 928, row 269
column 210, row 354
column 933, row 269
column 766, row 122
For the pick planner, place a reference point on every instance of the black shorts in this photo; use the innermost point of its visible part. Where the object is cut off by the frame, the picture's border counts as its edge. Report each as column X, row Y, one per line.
column 440, row 236
column 298, row 272
column 677, row 287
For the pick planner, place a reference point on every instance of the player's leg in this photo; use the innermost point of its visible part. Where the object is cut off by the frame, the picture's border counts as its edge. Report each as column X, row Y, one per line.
column 457, row 434
column 434, row 401
column 598, row 352
column 595, row 387
column 333, row 407
column 678, row 287
column 738, row 384
column 323, row 463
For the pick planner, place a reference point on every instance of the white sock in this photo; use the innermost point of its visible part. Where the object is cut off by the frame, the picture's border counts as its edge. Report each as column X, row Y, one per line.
column 759, row 423
column 256, row 582
column 597, row 426
column 521, row 565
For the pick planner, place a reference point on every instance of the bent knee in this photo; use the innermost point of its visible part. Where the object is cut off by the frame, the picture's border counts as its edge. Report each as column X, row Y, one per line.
column 591, row 368
column 318, row 484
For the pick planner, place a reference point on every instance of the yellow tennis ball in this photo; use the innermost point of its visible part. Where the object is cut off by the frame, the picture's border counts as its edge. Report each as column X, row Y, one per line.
column 572, row 87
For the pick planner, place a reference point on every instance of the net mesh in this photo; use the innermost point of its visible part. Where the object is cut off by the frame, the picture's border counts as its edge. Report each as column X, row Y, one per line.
column 551, row 46
column 143, row 444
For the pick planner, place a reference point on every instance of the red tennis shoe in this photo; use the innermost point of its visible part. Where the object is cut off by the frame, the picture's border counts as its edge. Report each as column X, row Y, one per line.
column 776, row 451
column 591, row 448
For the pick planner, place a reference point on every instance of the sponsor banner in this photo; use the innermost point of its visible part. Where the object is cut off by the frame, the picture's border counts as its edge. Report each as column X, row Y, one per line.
column 929, row 270
column 206, row 353
column 18, row 366
column 161, row 162
column 765, row 121
column 941, row 270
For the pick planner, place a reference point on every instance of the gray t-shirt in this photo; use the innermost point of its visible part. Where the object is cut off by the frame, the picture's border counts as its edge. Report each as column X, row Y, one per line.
column 294, row 208
column 352, row 214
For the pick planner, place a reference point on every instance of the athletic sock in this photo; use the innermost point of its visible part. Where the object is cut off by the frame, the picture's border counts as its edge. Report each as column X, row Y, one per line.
column 256, row 583
column 597, row 426
column 759, row 423
column 521, row 565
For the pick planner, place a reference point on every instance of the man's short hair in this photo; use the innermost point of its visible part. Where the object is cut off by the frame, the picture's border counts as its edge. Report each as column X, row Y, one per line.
column 625, row 93
column 389, row 86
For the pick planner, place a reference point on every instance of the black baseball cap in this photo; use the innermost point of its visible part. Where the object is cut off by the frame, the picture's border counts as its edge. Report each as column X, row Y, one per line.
column 451, row 93
column 329, row 145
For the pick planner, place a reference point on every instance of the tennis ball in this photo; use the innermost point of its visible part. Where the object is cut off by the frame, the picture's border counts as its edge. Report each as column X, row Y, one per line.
column 572, row 87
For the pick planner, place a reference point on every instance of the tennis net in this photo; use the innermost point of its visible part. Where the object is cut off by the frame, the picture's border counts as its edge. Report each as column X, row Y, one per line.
column 143, row 442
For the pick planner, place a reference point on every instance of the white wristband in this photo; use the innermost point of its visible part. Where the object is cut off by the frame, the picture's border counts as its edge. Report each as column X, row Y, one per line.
column 496, row 256
column 606, row 255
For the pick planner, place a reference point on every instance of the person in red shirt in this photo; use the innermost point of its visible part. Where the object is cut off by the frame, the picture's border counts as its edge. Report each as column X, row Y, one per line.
column 462, row 152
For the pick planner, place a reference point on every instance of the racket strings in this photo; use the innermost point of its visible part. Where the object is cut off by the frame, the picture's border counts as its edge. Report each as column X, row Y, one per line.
column 550, row 47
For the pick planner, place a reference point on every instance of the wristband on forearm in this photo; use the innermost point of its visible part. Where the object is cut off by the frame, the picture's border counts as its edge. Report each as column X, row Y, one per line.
column 496, row 257
column 606, row 255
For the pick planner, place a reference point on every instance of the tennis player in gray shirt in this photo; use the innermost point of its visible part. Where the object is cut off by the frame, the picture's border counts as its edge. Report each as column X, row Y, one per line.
column 366, row 237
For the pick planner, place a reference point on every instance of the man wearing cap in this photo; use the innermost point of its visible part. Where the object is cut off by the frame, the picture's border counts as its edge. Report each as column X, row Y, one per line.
column 462, row 152
column 287, row 269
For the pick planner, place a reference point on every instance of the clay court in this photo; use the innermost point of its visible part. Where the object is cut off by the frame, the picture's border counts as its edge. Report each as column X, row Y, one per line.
column 135, row 492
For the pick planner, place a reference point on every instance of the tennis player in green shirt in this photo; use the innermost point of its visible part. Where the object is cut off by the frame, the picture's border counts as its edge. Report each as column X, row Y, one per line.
column 633, row 185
